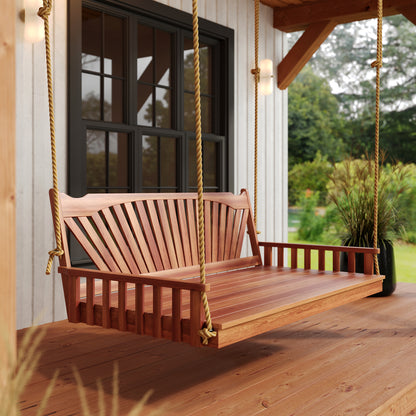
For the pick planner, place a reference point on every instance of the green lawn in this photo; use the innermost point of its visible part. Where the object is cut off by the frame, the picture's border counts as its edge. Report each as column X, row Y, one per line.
column 405, row 258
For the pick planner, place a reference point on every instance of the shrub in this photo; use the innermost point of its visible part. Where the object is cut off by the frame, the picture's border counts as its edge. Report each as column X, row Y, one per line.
column 312, row 224
column 309, row 175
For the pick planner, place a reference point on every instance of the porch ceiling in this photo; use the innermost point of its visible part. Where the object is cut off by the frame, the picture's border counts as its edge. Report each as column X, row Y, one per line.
column 317, row 18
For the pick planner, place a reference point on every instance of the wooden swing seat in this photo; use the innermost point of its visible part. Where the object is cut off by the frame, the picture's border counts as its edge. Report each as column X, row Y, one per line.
column 145, row 250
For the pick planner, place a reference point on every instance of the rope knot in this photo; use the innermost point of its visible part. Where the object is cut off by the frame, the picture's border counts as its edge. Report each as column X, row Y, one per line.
column 376, row 64
column 44, row 12
column 206, row 335
column 55, row 252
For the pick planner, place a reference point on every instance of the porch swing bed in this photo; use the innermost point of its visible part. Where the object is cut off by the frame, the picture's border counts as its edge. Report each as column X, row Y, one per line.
column 145, row 250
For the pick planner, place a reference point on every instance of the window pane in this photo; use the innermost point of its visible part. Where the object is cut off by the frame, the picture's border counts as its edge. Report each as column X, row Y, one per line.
column 118, row 161
column 163, row 108
column 113, row 45
column 91, row 97
column 163, row 58
column 205, row 64
column 188, row 65
column 145, row 54
column 168, row 162
column 192, row 177
column 150, row 161
column 91, row 40
column 113, row 100
column 96, row 159
column 144, row 105
column 210, row 156
column 189, row 112
column 159, row 163
column 206, row 114
column 210, row 163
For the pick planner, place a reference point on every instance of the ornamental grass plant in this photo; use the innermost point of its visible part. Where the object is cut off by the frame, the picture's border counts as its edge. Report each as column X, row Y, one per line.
column 351, row 190
column 22, row 366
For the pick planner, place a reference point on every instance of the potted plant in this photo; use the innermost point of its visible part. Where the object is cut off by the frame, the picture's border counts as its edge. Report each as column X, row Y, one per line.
column 351, row 189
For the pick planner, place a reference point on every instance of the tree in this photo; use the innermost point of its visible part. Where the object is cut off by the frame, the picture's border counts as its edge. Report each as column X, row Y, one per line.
column 345, row 59
column 315, row 124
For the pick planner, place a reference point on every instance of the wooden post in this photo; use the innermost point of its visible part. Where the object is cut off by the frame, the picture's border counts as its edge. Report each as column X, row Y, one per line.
column 7, row 180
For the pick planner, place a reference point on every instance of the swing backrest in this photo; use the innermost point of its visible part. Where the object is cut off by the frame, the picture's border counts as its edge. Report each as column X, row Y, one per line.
column 145, row 233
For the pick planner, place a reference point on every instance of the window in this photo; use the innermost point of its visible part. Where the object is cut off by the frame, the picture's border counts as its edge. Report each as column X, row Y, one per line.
column 131, row 99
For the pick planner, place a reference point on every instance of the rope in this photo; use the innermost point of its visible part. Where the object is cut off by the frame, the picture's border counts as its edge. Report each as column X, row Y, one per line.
column 44, row 12
column 207, row 332
column 256, row 73
column 377, row 64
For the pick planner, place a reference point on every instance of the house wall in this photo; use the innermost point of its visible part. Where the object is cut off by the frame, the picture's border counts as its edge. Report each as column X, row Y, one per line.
column 39, row 297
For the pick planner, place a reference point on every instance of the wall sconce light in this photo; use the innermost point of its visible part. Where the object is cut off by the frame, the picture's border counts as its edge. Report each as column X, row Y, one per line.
column 34, row 31
column 266, row 77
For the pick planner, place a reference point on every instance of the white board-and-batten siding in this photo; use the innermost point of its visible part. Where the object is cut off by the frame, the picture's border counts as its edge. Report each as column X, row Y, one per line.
column 39, row 297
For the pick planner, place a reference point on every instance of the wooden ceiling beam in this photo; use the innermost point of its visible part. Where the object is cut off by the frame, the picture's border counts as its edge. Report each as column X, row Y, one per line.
column 302, row 51
column 295, row 18
column 409, row 13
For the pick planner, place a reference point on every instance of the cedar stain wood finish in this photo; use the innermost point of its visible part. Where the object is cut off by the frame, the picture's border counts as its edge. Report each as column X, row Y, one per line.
column 145, row 250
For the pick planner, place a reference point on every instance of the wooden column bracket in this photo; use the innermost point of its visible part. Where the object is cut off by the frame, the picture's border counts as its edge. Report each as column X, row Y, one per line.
column 302, row 51
column 409, row 13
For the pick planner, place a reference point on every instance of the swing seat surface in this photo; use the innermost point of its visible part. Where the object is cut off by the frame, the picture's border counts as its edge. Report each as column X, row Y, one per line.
column 145, row 250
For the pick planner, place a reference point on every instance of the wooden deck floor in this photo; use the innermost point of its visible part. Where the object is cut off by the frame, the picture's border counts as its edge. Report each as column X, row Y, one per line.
column 353, row 360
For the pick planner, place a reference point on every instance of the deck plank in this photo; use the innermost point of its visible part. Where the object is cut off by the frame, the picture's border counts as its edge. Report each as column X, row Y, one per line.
column 349, row 360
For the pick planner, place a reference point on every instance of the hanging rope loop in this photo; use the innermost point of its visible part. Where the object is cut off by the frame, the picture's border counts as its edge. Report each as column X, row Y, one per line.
column 207, row 332
column 44, row 12
column 378, row 63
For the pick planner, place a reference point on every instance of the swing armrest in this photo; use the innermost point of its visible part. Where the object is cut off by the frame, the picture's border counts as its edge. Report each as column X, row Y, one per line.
column 321, row 249
column 146, row 279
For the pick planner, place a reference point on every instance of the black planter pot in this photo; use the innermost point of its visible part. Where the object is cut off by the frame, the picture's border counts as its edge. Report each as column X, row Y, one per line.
column 386, row 265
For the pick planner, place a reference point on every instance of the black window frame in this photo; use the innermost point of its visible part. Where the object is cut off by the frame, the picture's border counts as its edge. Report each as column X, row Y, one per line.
column 165, row 16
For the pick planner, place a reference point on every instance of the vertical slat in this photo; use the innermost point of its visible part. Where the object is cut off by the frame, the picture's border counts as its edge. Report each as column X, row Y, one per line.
column 192, row 227
column 241, row 233
column 128, row 235
column 207, row 223
column 184, row 232
column 176, row 233
column 307, row 259
column 106, row 304
column 214, row 237
column 280, row 257
column 157, row 311
column 351, row 262
column 321, row 260
column 141, row 241
column 168, row 238
column 121, row 243
column 268, row 256
column 139, row 308
column 236, row 229
column 335, row 261
column 106, row 236
column 148, row 233
column 294, row 258
column 90, row 300
column 221, row 232
column 176, row 315
column 195, row 318
column 88, row 247
column 160, row 243
column 368, row 263
column 73, row 298
column 122, row 321
column 229, row 233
